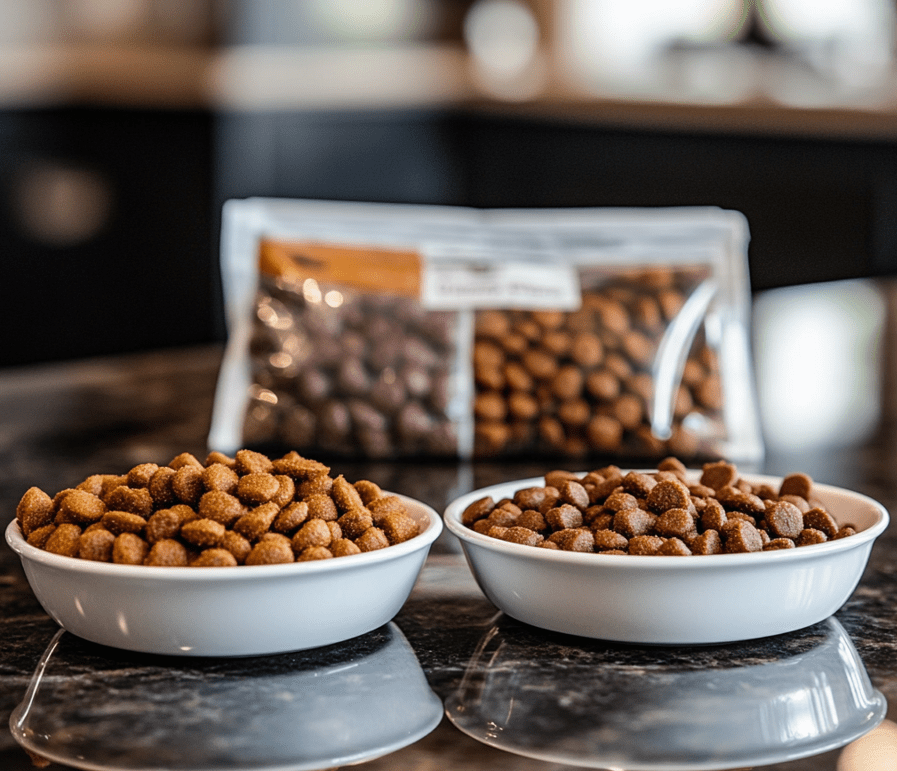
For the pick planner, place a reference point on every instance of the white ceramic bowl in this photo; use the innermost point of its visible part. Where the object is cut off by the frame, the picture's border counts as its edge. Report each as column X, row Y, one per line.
column 673, row 600
column 249, row 610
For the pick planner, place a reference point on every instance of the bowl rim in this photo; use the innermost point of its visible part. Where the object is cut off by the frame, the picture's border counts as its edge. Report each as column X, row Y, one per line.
column 452, row 517
column 422, row 540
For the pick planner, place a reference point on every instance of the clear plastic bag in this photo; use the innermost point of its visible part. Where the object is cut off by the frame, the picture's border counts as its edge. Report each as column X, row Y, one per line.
column 383, row 331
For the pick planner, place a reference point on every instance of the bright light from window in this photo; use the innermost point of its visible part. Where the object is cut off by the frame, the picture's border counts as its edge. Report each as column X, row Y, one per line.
column 817, row 363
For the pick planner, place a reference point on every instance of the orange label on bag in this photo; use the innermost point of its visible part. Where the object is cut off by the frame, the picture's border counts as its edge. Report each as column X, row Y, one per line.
column 368, row 268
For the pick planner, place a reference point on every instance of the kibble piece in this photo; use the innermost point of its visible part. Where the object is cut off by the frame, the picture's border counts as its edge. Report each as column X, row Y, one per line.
column 563, row 517
column 313, row 533
column 184, row 459
column 96, row 545
column 257, row 487
column 734, row 499
column 129, row 549
column 784, row 520
column 845, row 531
column 778, row 543
column 354, row 523
column 35, row 510
column 546, row 544
column 343, row 548
column 220, row 477
column 336, row 532
column 638, row 484
column 290, row 518
column 294, row 465
column 140, row 475
column 714, row 516
column 503, row 517
column 645, row 544
column 633, row 522
column 383, row 505
column 676, row 523
column 371, row 539
column 221, row 506
column 797, row 484
column 820, row 519
column 164, row 524
column 159, row 487
column 204, row 533
column 400, row 527
column 809, row 536
column 576, row 539
column 270, row 552
column 798, row 501
column 574, row 493
column 532, row 520
column 167, row 553
column 609, row 539
column 255, row 523
column 718, row 475
column 673, row 464
column 620, row 501
column 219, row 457
column 741, row 536
column 137, row 501
column 668, row 494
column 94, row 484
column 119, row 522
column 214, row 558
column 520, row 535
column 285, row 492
column 345, row 496
column 314, row 553
column 38, row 537
column 82, row 508
column 369, row 491
column 237, row 545
column 322, row 507
column 64, row 540
column 709, row 542
column 673, row 547
column 251, row 462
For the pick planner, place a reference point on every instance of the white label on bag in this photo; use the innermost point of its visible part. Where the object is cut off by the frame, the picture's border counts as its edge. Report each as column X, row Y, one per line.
column 473, row 284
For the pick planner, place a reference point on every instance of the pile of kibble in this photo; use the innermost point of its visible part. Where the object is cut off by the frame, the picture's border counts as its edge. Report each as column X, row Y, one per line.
column 245, row 510
column 608, row 511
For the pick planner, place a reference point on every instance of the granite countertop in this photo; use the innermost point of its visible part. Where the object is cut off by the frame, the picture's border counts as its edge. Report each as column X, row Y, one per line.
column 450, row 682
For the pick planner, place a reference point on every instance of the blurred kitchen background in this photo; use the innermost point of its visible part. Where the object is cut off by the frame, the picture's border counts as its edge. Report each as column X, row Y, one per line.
column 125, row 124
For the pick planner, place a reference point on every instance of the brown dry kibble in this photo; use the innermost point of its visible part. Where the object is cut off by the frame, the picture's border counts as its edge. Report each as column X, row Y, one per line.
column 251, row 462
column 256, row 522
column 96, row 545
column 221, row 506
column 270, row 552
column 353, row 523
column 575, row 539
column 345, row 496
column 140, row 475
column 344, row 548
column 237, row 545
column 574, row 493
column 798, row 501
column 810, row 536
column 184, row 459
column 159, row 487
column 137, row 501
column 129, row 549
column 219, row 457
column 713, row 516
column 321, row 506
column 797, row 484
column 532, row 520
column 214, row 558
column 314, row 553
column 778, row 543
column 38, row 537
column 294, row 465
column 633, row 522
column 844, row 532
column 609, row 539
column 619, row 501
column 82, row 508
column 668, row 494
column 64, row 540
column 220, row 477
column 256, row 488
column 674, row 547
column 563, row 517
column 676, row 523
column 290, row 518
column 167, row 553
column 203, row 533
column 399, row 527
column 718, row 475
column 313, row 533
column 372, row 539
column 638, row 484
column 820, row 519
column 476, row 510
column 741, row 536
column 709, row 542
column 784, row 520
column 164, row 524
column 369, row 491
column 520, row 535
column 119, row 522
column 645, row 544
column 35, row 510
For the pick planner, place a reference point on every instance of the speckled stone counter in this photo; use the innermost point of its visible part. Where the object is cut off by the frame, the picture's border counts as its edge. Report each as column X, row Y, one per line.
column 451, row 682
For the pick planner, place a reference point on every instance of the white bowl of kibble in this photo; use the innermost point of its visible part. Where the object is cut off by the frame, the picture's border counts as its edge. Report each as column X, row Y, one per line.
column 672, row 556
column 231, row 556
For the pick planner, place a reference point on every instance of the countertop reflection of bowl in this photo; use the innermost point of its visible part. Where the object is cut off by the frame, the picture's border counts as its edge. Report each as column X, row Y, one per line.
column 673, row 600
column 228, row 611
column 339, row 705
column 601, row 705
